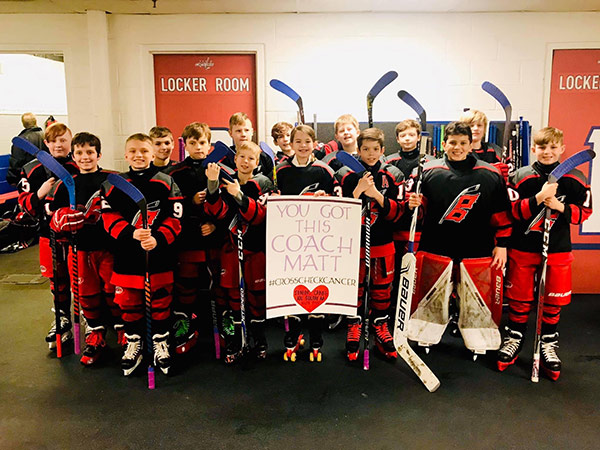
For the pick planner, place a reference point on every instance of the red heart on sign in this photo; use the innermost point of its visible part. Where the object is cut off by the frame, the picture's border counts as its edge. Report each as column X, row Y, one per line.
column 310, row 300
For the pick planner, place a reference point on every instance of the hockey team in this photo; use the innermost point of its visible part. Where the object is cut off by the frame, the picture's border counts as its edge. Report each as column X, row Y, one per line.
column 474, row 222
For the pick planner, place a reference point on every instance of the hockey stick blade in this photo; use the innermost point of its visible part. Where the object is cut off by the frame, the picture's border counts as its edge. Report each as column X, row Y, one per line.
column 421, row 370
column 220, row 152
column 497, row 94
column 25, row 145
column 289, row 92
column 55, row 167
column 268, row 150
column 132, row 192
column 383, row 82
column 350, row 161
column 570, row 163
column 416, row 106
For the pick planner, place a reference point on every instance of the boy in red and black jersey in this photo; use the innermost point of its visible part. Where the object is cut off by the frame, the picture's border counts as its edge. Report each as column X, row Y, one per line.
column 346, row 129
column 122, row 220
column 94, row 246
column 281, row 133
column 163, row 143
column 466, row 222
column 382, row 186
column 570, row 202
column 35, row 184
column 198, row 245
column 242, row 203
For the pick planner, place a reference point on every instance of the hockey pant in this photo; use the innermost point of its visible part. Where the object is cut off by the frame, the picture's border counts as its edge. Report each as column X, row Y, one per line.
column 479, row 291
column 382, row 276
column 96, row 292
column 59, row 285
column 521, row 283
column 132, row 304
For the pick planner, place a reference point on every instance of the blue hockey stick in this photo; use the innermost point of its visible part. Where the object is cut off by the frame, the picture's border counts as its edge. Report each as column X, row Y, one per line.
column 506, row 106
column 384, row 81
column 416, row 107
column 289, row 92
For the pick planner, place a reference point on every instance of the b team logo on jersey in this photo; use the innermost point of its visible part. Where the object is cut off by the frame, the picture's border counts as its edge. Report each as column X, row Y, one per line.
column 537, row 224
column 462, row 204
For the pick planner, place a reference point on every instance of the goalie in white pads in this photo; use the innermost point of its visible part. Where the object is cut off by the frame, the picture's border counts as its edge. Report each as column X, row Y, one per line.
column 466, row 226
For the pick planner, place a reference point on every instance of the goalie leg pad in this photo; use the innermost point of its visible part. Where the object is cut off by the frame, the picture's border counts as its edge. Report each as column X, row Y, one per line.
column 480, row 303
column 431, row 300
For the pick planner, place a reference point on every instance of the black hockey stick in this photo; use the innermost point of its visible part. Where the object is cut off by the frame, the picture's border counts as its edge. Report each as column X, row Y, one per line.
column 562, row 169
column 384, row 81
column 134, row 193
column 239, row 224
column 416, row 107
column 289, row 92
column 213, row 311
column 57, row 169
column 506, row 106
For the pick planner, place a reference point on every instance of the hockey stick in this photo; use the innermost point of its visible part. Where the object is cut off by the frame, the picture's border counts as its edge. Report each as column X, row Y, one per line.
column 408, row 273
column 134, row 193
column 271, row 154
column 25, row 145
column 220, row 152
column 57, row 169
column 416, row 107
column 384, row 81
column 501, row 98
column 213, row 310
column 289, row 92
column 562, row 169
column 181, row 143
column 240, row 249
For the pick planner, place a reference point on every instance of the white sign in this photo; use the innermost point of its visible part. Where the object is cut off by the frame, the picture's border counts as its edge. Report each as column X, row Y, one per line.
column 313, row 253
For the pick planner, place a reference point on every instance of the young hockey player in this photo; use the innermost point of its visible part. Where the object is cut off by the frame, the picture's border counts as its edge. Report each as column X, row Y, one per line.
column 571, row 203
column 304, row 174
column 94, row 257
column 466, row 222
column 163, row 144
column 382, row 186
column 280, row 133
column 122, row 220
column 485, row 151
column 346, row 132
column 242, row 202
column 199, row 241
column 240, row 130
column 36, row 182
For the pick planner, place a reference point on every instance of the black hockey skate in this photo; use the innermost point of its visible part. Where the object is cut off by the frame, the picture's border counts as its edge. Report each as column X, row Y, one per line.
column 550, row 361
column 132, row 357
column 185, row 336
column 65, row 328
column 511, row 346
column 94, row 343
column 383, row 338
column 353, row 338
column 162, row 357
column 257, row 328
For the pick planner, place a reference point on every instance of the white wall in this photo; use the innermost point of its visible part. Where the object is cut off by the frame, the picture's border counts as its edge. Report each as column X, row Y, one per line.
column 330, row 59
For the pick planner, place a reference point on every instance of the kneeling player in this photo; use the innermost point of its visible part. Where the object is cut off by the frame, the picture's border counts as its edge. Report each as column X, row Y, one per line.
column 570, row 202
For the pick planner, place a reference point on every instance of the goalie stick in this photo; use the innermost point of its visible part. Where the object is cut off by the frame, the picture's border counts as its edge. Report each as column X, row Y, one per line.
column 57, row 169
column 506, row 106
column 406, row 286
column 381, row 84
column 134, row 194
column 289, row 92
column 416, row 107
column 562, row 169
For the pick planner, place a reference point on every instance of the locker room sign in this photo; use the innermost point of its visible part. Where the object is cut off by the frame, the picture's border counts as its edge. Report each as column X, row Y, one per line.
column 313, row 253
column 574, row 100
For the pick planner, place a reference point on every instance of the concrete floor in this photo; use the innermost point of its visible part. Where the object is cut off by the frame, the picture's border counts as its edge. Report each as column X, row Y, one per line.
column 47, row 403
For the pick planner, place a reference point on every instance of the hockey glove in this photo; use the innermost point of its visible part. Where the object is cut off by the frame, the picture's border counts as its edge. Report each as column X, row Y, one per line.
column 67, row 220
column 503, row 168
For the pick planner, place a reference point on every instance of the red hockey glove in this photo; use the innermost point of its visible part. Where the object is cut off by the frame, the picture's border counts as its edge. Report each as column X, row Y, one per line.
column 503, row 168
column 92, row 211
column 67, row 220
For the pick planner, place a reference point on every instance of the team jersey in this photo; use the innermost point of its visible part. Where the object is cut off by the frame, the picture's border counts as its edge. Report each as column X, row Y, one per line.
column 92, row 236
column 466, row 208
column 190, row 177
column 389, row 181
column 326, row 149
column 252, row 211
column 166, row 168
column 265, row 164
column 33, row 175
column 295, row 180
column 490, row 153
column 280, row 157
column 121, row 216
column 573, row 190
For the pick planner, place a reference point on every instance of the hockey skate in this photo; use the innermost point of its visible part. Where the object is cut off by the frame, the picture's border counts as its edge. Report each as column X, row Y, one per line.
column 162, row 358
column 550, row 362
column 231, row 336
column 120, row 330
column 132, row 357
column 293, row 339
column 316, row 337
column 511, row 346
column 94, row 343
column 353, row 337
column 383, row 339
column 185, row 337
column 257, row 328
column 65, row 328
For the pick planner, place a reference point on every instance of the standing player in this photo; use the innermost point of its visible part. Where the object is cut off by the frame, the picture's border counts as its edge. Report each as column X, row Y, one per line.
column 199, row 241
column 36, row 182
column 94, row 257
column 122, row 220
column 346, row 132
column 304, row 174
column 163, row 144
column 570, row 201
column 382, row 186
column 281, row 137
column 242, row 202
column 466, row 221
